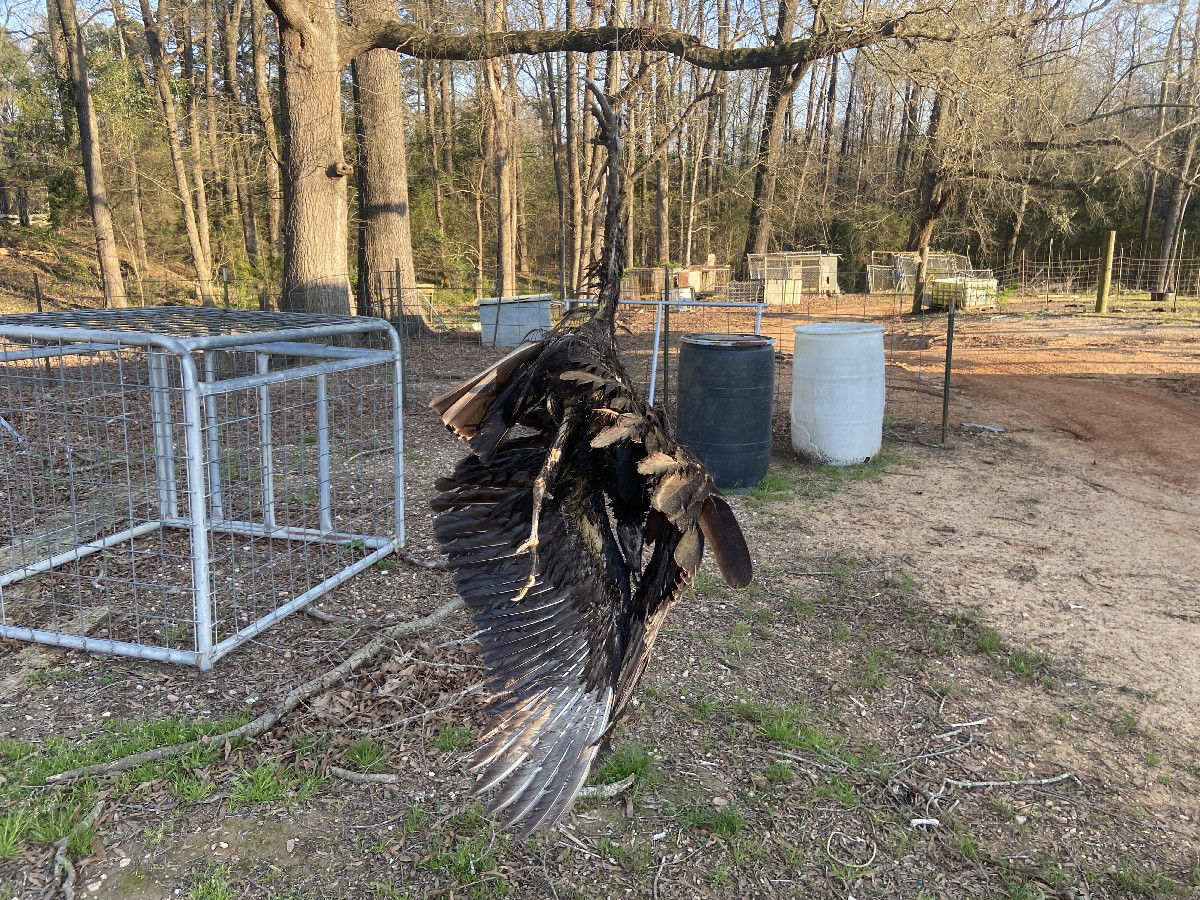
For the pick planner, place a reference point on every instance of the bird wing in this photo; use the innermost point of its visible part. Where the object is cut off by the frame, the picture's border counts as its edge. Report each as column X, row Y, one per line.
column 567, row 630
column 554, row 654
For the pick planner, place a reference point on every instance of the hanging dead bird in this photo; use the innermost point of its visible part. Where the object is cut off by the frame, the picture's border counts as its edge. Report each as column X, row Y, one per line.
column 571, row 529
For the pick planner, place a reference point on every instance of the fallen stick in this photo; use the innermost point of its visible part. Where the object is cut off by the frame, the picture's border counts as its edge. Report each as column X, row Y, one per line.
column 364, row 777
column 268, row 720
column 607, row 791
column 62, row 860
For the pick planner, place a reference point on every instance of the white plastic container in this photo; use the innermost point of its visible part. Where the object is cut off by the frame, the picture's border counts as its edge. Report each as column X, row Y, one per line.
column 837, row 392
column 510, row 320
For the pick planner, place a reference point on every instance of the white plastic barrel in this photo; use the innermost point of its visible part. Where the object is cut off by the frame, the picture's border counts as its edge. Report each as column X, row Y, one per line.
column 837, row 392
column 510, row 320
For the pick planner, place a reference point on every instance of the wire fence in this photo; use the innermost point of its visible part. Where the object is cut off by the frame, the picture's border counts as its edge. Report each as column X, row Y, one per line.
column 444, row 339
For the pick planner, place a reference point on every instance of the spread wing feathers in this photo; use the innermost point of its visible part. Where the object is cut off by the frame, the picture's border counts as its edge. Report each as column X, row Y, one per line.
column 553, row 656
column 569, row 546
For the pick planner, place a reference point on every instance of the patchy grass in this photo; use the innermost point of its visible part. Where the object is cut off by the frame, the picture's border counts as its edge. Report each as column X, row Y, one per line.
column 726, row 822
column 454, row 737
column 629, row 758
column 268, row 782
column 366, row 755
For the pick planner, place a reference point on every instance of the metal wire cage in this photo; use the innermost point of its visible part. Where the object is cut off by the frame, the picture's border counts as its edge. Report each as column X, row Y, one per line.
column 174, row 480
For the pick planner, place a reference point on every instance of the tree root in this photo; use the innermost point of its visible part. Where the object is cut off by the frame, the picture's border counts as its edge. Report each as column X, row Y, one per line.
column 62, row 859
column 271, row 717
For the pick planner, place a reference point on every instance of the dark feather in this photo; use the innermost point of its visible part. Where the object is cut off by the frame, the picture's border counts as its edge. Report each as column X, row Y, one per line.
column 571, row 543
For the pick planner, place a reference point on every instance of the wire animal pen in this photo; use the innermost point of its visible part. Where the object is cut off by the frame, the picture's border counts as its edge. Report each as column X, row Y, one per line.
column 175, row 480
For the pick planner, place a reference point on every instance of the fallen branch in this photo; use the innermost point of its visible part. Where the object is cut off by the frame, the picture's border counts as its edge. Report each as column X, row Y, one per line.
column 423, row 563
column 364, row 778
column 421, row 717
column 607, row 791
column 1020, row 782
column 62, row 860
column 271, row 717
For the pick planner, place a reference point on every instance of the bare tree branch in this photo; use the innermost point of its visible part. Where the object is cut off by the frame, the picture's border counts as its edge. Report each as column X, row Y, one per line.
column 422, row 44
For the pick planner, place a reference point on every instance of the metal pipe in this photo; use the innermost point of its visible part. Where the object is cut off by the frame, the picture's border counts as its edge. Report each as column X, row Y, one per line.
column 398, row 431
column 300, row 602
column 52, row 562
column 246, row 382
column 197, row 513
column 98, row 645
column 323, row 490
column 214, row 443
column 285, row 532
column 654, row 353
column 267, row 463
column 164, row 450
column 946, row 376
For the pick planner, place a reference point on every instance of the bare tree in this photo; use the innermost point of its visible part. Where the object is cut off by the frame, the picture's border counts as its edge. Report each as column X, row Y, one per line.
column 93, row 165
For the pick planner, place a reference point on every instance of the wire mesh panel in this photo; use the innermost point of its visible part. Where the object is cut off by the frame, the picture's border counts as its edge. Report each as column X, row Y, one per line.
column 175, row 480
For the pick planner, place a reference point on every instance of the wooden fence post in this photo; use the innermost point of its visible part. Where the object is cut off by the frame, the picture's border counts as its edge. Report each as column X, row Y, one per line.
column 1104, row 276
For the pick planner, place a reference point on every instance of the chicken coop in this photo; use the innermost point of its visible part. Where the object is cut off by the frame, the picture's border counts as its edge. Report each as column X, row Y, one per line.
column 175, row 480
column 788, row 276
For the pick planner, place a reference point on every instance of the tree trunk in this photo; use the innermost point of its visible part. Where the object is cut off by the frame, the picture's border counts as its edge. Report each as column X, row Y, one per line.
column 60, row 60
column 521, row 246
column 266, row 118
column 781, row 84
column 237, row 130
column 934, row 193
column 93, row 166
column 192, row 111
column 1010, row 249
column 506, row 251
column 316, row 218
column 208, row 29
column 385, row 229
column 165, row 101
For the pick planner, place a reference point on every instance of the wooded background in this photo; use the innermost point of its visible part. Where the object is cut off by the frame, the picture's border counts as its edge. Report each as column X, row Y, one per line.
column 312, row 146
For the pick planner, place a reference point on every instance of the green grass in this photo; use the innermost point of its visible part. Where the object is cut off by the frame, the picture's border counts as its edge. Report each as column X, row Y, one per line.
column 988, row 640
column 790, row 727
column 471, row 858
column 415, row 820
column 189, row 788
column 53, row 674
column 1027, row 663
column 454, row 737
column 626, row 759
column 774, row 486
column 837, row 790
column 1022, row 889
column 725, row 823
column 13, row 828
column 366, row 755
column 779, row 771
column 1144, row 881
column 266, row 783
column 703, row 709
column 212, row 884
column 871, row 674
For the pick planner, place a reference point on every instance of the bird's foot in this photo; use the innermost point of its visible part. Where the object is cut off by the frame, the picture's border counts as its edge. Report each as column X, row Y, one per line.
column 529, row 582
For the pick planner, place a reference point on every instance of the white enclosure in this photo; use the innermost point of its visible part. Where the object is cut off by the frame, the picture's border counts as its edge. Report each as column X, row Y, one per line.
column 174, row 480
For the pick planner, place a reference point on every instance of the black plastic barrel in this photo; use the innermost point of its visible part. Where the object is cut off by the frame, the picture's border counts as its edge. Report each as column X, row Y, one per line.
column 726, row 397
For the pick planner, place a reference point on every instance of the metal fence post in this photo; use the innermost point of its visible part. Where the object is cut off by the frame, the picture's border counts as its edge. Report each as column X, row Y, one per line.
column 946, row 376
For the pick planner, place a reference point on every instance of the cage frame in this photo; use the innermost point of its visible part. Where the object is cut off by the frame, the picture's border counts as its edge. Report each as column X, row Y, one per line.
column 51, row 335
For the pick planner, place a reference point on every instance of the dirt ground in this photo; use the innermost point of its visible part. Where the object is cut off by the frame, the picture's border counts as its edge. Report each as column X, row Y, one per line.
column 963, row 671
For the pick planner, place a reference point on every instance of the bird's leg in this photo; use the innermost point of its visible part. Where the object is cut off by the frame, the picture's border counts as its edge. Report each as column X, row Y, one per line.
column 540, row 490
